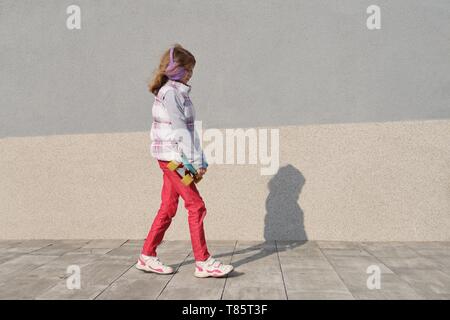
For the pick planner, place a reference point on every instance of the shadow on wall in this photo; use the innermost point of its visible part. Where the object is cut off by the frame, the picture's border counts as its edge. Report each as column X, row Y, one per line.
column 283, row 229
column 283, row 224
column 284, row 217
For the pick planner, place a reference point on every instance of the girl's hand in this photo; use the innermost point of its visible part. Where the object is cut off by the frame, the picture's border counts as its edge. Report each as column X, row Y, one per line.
column 201, row 171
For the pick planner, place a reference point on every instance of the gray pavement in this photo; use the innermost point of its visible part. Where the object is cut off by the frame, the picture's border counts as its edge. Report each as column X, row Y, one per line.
column 38, row 269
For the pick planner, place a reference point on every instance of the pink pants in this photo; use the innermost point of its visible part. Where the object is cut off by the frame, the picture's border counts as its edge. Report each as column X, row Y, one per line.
column 171, row 190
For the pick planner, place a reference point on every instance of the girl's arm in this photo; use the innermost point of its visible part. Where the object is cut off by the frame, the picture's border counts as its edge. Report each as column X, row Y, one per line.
column 184, row 133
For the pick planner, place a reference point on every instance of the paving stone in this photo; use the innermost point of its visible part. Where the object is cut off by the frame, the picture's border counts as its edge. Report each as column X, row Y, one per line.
column 61, row 292
column 61, row 247
column 317, row 295
column 7, row 256
column 9, row 243
column 258, row 257
column 94, row 269
column 386, row 295
column 134, row 242
column 410, row 262
column 25, row 287
column 175, row 245
column 338, row 245
column 387, row 250
column 102, row 272
column 72, row 258
column 104, row 244
column 356, row 263
column 346, row 252
column 214, row 293
column 317, row 263
column 58, row 268
column 21, row 265
column 221, row 243
column 253, row 249
column 244, row 277
column 244, row 246
column 97, row 251
column 432, row 252
column 221, row 249
column 443, row 261
column 428, row 244
column 427, row 282
column 133, row 251
column 256, row 260
column 313, row 280
column 37, row 269
column 391, row 287
column 298, row 248
column 28, row 246
column 384, row 244
column 254, row 293
column 134, row 289
column 293, row 245
column 192, row 293
column 434, row 296
column 160, row 251
column 125, row 251
column 268, row 267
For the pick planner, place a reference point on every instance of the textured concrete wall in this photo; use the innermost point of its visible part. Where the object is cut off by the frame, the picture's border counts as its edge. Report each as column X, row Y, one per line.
column 363, row 117
column 373, row 181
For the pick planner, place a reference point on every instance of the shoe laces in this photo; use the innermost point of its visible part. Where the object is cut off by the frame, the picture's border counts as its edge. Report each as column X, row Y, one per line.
column 158, row 262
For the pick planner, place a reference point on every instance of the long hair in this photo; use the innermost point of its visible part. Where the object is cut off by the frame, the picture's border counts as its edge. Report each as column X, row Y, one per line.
column 181, row 56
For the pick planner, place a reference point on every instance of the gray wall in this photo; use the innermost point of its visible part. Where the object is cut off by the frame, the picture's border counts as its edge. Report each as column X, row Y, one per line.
column 260, row 63
column 363, row 117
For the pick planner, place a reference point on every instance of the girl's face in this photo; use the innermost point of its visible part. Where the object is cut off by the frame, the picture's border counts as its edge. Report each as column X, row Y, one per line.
column 189, row 71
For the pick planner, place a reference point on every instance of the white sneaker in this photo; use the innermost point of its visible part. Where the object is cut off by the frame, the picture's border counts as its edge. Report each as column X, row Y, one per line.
column 211, row 268
column 152, row 264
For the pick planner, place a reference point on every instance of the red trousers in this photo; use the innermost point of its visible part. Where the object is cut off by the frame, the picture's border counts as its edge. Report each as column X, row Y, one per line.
column 172, row 189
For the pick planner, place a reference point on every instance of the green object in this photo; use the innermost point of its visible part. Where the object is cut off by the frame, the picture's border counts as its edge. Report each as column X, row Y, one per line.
column 187, row 178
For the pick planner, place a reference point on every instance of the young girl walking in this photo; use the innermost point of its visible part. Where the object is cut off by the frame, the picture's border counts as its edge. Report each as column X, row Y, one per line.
column 173, row 137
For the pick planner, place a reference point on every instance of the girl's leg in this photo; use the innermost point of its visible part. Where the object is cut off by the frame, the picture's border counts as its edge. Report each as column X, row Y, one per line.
column 196, row 213
column 163, row 219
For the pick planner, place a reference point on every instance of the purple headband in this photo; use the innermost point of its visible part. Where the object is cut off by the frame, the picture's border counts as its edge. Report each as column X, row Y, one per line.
column 173, row 71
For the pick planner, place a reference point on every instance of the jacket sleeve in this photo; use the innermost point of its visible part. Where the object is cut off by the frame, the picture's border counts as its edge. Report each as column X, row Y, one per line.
column 187, row 138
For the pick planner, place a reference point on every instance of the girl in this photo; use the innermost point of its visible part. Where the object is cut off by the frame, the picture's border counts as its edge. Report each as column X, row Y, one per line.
column 173, row 136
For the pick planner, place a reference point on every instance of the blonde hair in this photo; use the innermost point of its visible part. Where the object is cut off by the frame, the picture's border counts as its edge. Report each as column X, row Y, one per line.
column 181, row 56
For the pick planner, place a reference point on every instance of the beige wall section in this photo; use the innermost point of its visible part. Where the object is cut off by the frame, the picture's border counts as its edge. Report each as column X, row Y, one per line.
column 365, row 181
